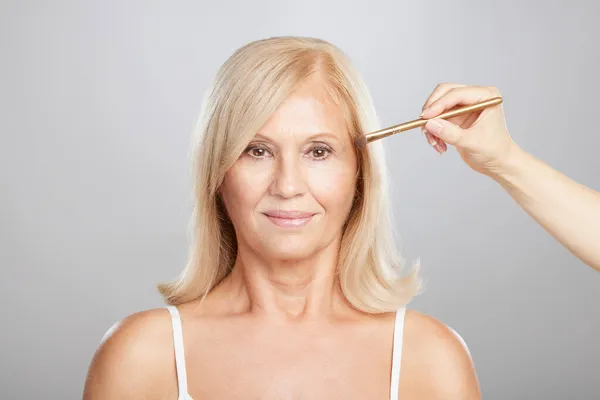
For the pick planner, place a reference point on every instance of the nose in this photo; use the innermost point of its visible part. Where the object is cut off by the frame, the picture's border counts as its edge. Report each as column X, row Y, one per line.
column 289, row 178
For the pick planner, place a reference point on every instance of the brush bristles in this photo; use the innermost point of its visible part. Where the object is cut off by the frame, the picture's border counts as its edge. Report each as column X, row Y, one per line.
column 360, row 141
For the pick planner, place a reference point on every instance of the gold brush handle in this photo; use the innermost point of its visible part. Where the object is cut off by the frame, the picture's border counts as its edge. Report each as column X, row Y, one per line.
column 370, row 137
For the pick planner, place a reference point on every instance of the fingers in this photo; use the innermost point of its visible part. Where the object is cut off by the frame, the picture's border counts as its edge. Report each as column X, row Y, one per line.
column 438, row 144
column 434, row 142
column 458, row 96
column 439, row 91
column 446, row 131
column 444, row 97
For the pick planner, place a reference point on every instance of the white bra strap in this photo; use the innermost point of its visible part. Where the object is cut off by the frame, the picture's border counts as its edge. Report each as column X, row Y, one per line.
column 397, row 353
column 179, row 352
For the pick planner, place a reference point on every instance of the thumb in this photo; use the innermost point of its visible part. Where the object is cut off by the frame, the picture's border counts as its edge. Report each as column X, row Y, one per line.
column 445, row 130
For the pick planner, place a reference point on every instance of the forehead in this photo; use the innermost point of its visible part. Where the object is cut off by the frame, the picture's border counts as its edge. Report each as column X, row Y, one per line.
column 308, row 110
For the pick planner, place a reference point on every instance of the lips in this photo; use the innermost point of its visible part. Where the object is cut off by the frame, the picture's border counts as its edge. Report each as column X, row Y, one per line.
column 288, row 214
column 289, row 218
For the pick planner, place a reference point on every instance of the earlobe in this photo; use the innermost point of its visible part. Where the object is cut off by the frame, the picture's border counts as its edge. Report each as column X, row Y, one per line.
column 221, row 204
column 219, row 192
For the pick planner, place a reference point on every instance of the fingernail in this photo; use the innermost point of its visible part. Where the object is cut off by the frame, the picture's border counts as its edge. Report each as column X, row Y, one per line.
column 434, row 126
column 438, row 148
column 432, row 142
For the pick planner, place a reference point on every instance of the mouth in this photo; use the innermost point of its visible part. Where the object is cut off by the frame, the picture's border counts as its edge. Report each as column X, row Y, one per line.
column 289, row 219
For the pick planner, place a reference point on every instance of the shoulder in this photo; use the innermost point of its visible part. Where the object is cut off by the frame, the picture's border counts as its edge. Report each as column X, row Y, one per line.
column 134, row 359
column 436, row 361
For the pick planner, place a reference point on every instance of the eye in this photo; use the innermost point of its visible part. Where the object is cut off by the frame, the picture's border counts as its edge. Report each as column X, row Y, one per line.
column 258, row 151
column 320, row 152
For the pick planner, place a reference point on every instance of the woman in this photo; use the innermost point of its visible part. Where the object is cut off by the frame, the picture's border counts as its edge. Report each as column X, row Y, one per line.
column 293, row 288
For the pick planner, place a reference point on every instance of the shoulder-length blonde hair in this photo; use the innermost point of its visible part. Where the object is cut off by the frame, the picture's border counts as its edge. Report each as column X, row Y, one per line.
column 248, row 89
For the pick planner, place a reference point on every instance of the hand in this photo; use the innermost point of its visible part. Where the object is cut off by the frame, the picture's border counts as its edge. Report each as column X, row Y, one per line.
column 481, row 137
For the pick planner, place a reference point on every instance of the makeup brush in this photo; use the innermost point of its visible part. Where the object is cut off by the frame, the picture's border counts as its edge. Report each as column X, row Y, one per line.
column 370, row 137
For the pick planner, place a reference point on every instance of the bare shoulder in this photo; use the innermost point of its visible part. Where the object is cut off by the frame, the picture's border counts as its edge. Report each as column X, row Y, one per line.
column 436, row 361
column 134, row 359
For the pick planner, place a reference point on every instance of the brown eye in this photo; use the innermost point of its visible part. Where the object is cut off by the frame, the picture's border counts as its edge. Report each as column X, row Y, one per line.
column 320, row 153
column 257, row 152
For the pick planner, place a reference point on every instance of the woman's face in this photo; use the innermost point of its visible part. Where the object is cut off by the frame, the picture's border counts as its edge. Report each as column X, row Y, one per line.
column 290, row 192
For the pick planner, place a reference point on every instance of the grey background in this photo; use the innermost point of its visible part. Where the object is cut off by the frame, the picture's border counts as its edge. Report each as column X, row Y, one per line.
column 98, row 103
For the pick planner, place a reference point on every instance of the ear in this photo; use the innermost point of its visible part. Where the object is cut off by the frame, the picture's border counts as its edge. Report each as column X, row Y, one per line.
column 220, row 200
column 219, row 192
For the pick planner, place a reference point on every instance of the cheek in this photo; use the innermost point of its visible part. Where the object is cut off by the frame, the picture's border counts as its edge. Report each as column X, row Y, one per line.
column 333, row 188
column 243, row 188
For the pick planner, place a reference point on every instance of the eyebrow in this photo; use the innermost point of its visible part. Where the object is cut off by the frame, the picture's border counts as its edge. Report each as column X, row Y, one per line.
column 311, row 137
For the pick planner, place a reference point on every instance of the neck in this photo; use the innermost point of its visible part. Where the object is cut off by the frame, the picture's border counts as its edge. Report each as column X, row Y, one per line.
column 306, row 288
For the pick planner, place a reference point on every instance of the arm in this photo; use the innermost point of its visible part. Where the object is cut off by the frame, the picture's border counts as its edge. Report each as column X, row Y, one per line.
column 132, row 361
column 569, row 211
column 436, row 363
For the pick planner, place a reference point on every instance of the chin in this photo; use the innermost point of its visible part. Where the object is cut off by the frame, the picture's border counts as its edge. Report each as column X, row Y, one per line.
column 288, row 249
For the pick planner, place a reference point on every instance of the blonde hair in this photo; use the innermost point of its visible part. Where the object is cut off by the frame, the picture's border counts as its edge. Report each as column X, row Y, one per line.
column 247, row 90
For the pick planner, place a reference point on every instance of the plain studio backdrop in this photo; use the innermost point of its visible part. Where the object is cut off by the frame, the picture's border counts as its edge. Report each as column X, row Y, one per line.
column 99, row 100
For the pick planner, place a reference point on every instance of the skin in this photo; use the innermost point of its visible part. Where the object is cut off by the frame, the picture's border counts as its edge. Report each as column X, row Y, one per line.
column 567, row 210
column 278, row 326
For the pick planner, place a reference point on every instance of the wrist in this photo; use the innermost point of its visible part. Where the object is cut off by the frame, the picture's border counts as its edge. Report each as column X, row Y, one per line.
column 511, row 166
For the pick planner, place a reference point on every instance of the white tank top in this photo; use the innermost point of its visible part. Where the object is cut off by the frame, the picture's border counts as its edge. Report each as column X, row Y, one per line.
column 180, row 356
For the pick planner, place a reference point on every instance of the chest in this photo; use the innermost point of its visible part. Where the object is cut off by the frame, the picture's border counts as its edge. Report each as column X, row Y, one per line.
column 291, row 364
